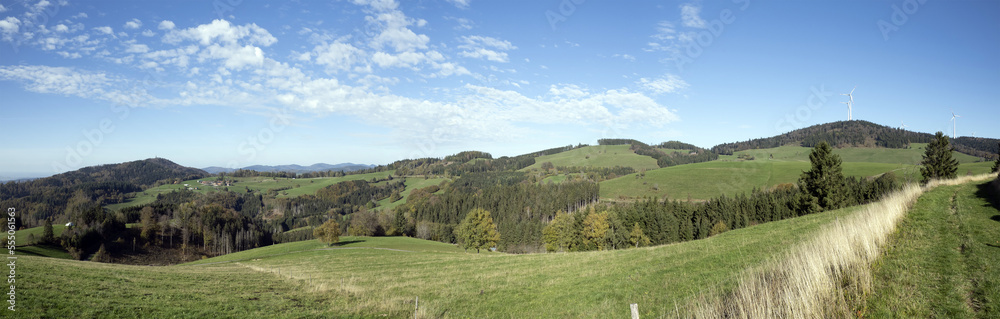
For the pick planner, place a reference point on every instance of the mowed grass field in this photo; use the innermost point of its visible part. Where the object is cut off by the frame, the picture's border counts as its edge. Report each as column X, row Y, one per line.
column 597, row 156
column 375, row 277
column 729, row 177
column 912, row 155
column 944, row 261
column 297, row 186
column 711, row 179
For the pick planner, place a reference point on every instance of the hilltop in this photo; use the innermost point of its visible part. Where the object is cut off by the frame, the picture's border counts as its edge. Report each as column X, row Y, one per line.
column 858, row 133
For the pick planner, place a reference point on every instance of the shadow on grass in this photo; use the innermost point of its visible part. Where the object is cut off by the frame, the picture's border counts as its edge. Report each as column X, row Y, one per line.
column 347, row 242
column 990, row 191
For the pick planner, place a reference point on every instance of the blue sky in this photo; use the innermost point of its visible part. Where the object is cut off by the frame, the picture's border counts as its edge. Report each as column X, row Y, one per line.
column 236, row 83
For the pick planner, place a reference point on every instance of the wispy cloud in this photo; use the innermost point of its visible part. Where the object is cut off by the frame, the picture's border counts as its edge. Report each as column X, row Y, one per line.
column 691, row 16
column 481, row 47
column 667, row 84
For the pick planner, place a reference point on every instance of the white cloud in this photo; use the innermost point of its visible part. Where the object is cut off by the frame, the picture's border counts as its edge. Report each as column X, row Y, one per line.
column 80, row 15
column 220, row 31
column 61, row 28
column 166, row 25
column 690, row 16
column 134, row 24
column 68, row 55
column 69, row 81
column 624, row 56
column 9, row 27
column 2, row 8
column 137, row 48
column 336, row 56
column 460, row 3
column 485, row 48
column 668, row 84
column 105, row 30
column 235, row 57
column 395, row 33
column 462, row 23
column 148, row 33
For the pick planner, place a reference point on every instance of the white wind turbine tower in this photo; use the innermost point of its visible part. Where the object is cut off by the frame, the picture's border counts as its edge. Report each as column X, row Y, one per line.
column 850, row 103
column 901, row 125
column 954, row 123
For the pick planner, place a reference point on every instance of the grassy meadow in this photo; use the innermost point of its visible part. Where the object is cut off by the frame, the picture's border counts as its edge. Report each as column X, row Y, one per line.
column 729, row 176
column 597, row 156
column 371, row 277
column 945, row 260
column 706, row 180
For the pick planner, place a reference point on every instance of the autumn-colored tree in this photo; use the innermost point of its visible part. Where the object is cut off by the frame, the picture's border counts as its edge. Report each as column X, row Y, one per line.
column 478, row 230
column 718, row 228
column 328, row 233
column 558, row 234
column 595, row 230
column 637, row 237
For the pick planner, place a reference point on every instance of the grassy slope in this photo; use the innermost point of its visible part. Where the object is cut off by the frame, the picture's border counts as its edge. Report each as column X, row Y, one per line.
column 945, row 259
column 600, row 156
column 711, row 179
column 728, row 176
column 912, row 155
column 370, row 282
column 22, row 235
column 298, row 186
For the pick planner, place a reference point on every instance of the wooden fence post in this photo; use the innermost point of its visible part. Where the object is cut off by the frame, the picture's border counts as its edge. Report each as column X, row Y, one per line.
column 635, row 310
column 416, row 305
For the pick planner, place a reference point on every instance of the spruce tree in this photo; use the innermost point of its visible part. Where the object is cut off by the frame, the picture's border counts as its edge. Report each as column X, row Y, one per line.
column 823, row 185
column 937, row 162
column 48, row 236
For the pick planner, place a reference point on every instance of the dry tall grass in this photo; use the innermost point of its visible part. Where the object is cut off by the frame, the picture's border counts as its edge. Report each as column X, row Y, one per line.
column 826, row 276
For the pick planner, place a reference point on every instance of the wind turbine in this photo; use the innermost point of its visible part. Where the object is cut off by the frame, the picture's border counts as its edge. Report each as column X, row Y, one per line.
column 901, row 125
column 848, row 110
column 954, row 123
column 850, row 103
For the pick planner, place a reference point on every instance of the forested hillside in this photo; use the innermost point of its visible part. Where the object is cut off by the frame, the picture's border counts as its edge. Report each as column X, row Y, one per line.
column 858, row 133
column 62, row 194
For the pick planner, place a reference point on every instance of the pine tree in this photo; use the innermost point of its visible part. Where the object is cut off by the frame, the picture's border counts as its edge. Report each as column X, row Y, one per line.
column 48, row 236
column 823, row 185
column 478, row 230
column 937, row 162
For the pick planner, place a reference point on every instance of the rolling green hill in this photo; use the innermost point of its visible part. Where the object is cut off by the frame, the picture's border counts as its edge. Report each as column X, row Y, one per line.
column 597, row 156
column 730, row 176
column 912, row 155
column 382, row 275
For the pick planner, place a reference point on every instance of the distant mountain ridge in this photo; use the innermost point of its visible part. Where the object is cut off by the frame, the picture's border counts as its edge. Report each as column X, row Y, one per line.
column 294, row 168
